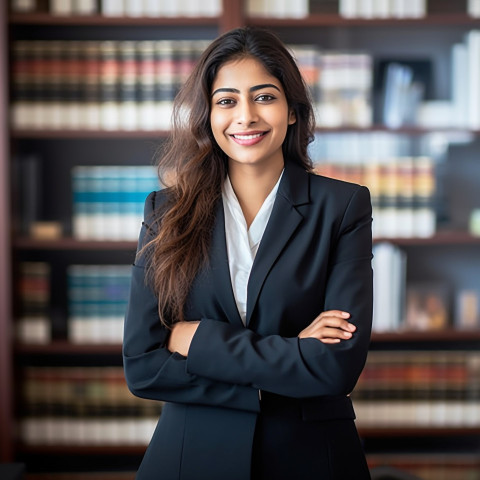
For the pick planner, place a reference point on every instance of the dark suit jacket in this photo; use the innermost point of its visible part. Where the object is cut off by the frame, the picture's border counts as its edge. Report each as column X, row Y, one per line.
column 315, row 255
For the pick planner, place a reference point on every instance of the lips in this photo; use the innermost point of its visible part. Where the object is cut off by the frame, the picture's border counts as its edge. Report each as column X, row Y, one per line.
column 250, row 138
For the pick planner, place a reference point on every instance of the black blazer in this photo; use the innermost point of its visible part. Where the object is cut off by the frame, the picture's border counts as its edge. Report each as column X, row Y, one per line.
column 315, row 255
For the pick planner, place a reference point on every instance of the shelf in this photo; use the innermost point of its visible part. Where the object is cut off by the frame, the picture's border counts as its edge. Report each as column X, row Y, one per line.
column 420, row 431
column 450, row 335
column 56, row 449
column 74, row 134
column 335, row 20
column 86, row 134
column 64, row 347
column 25, row 243
column 72, row 244
column 89, row 20
column 440, row 238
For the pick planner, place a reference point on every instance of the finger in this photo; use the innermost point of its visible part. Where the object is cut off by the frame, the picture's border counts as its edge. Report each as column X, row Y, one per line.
column 336, row 323
column 330, row 340
column 333, row 313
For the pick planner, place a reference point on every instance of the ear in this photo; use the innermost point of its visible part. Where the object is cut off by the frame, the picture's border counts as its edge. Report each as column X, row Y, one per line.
column 291, row 117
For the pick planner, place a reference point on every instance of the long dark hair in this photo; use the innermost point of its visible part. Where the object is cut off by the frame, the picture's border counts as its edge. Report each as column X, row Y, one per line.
column 195, row 166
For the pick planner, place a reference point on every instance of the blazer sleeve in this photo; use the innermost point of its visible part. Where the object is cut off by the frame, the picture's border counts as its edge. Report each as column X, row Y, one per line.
column 302, row 367
column 151, row 370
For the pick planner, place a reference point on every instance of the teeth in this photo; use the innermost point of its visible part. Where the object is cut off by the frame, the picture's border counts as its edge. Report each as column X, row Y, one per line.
column 247, row 137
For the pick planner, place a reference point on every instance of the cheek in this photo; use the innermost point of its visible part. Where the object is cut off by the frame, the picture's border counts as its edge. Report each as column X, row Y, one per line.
column 218, row 125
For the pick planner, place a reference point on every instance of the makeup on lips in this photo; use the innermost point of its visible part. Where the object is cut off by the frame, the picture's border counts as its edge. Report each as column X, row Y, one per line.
column 248, row 138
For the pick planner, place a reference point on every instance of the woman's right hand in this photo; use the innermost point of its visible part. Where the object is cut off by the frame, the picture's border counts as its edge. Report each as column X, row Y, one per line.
column 331, row 326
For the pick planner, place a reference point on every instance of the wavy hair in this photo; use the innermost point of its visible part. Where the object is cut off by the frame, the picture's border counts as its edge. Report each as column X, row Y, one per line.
column 194, row 166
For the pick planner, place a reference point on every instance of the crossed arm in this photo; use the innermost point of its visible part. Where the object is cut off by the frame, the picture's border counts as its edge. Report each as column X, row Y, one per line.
column 330, row 327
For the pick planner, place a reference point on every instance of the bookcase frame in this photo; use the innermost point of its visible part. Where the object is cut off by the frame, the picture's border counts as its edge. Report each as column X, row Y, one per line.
column 233, row 15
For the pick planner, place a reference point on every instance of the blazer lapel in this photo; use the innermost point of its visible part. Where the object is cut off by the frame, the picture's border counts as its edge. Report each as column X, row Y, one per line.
column 220, row 269
column 284, row 221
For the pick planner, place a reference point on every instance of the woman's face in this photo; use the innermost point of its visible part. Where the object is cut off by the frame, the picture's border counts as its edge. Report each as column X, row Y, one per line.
column 249, row 114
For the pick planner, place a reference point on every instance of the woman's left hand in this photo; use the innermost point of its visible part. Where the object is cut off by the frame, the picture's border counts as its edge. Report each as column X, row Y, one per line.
column 181, row 337
column 331, row 326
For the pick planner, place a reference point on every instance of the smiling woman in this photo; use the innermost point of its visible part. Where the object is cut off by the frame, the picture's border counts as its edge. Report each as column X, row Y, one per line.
column 251, row 294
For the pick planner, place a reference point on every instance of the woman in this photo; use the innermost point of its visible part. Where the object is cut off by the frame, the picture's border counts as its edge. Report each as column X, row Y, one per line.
column 251, row 297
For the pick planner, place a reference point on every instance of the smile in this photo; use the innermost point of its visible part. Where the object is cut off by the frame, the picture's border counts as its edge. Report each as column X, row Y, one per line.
column 248, row 139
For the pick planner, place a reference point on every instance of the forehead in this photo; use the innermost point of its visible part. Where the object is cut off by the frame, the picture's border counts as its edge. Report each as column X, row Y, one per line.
column 243, row 72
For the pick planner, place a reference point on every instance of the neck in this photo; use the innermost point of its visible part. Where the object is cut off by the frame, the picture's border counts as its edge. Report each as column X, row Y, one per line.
column 252, row 187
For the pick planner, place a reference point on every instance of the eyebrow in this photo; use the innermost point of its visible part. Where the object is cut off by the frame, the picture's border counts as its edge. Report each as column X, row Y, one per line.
column 251, row 89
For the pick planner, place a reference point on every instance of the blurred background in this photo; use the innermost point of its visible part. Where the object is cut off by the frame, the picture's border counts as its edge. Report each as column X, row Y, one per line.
column 86, row 88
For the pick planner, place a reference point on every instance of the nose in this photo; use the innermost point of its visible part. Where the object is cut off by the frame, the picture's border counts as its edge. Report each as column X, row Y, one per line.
column 247, row 113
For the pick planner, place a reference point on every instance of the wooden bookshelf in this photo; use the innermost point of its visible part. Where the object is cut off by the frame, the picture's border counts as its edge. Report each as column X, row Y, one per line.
column 234, row 14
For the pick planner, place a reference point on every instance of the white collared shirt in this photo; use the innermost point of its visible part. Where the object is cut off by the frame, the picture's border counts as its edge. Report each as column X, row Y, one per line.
column 243, row 243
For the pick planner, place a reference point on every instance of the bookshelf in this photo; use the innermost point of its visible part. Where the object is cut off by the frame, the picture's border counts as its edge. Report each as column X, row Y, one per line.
column 444, row 24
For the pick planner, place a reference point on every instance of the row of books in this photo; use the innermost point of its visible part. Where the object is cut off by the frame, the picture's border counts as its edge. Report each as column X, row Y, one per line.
column 130, row 85
column 418, row 306
column 369, row 9
column 417, row 413
column 420, row 375
column 119, row 8
column 108, row 201
column 97, row 300
column 109, row 85
column 422, row 388
column 83, row 405
column 402, row 191
column 340, row 83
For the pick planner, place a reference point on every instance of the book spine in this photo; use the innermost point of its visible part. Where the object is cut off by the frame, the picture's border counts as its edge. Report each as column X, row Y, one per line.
column 164, row 83
column 146, row 85
column 61, row 7
column 85, row 7
column 23, row 6
column 109, row 85
column 129, row 115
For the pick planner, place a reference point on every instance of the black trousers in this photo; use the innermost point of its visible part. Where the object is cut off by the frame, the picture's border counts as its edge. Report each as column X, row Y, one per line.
column 287, row 446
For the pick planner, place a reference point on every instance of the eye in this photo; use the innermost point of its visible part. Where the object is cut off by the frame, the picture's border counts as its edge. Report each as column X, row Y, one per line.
column 265, row 97
column 226, row 102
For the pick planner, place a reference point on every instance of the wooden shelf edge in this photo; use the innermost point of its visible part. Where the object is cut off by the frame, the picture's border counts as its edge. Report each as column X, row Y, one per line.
column 420, row 431
column 64, row 347
column 68, row 243
column 73, row 244
column 449, row 335
column 336, row 20
column 440, row 238
column 82, row 449
column 102, row 20
column 84, row 133
column 57, row 134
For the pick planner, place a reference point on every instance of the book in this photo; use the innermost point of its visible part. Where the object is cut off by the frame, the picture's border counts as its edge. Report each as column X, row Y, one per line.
column 33, row 322
column 467, row 309
column 389, row 267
